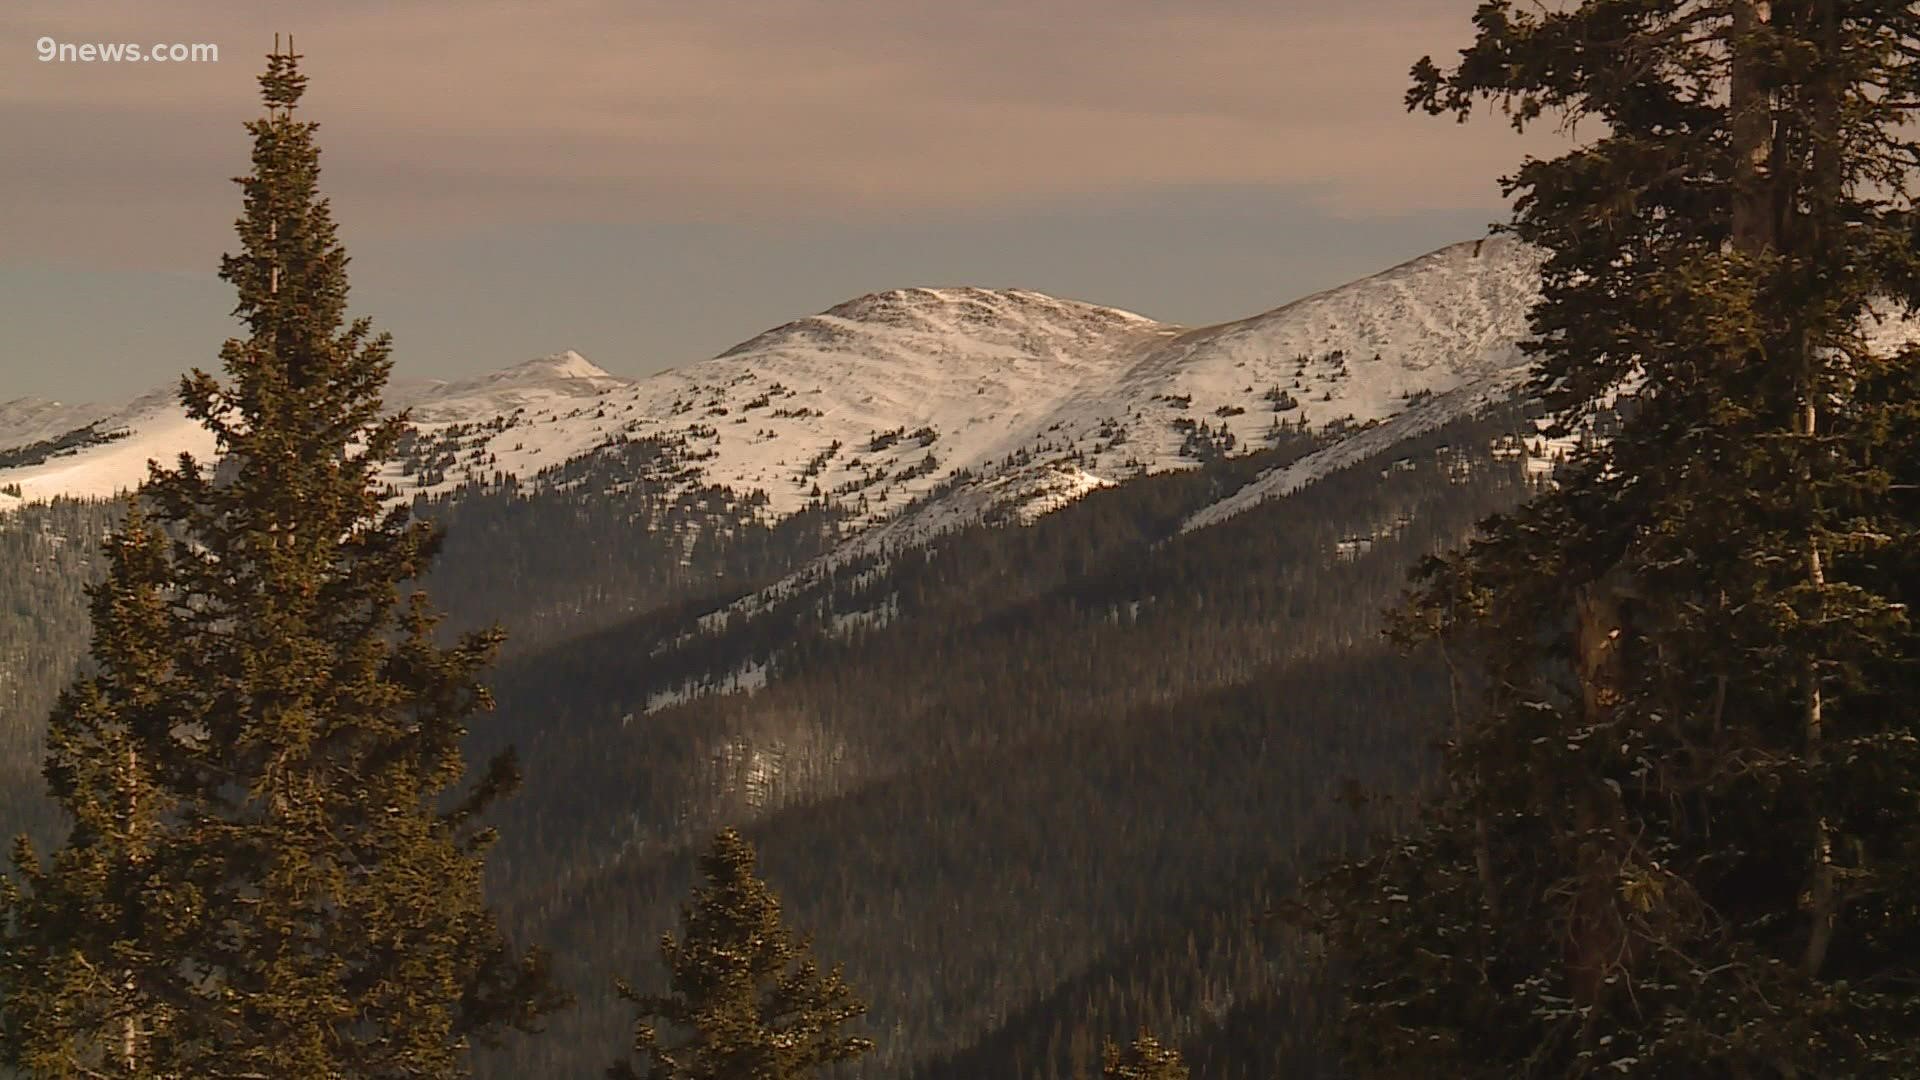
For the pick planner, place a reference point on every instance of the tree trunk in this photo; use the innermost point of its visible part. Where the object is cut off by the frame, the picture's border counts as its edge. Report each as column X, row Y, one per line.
column 1751, row 120
column 1823, row 900
column 1596, row 939
column 130, row 1024
column 1757, row 231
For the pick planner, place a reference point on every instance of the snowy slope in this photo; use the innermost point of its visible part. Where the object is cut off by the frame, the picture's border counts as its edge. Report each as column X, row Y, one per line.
column 1360, row 351
column 1429, row 415
column 1436, row 337
column 153, row 426
column 149, row 427
column 1010, row 403
column 874, row 402
column 542, row 383
column 1473, row 385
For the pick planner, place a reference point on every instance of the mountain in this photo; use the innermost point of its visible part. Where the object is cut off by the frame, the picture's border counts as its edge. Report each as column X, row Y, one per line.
column 1028, row 748
column 102, row 456
column 1437, row 336
column 547, row 381
column 1032, row 782
column 1009, row 402
column 90, row 451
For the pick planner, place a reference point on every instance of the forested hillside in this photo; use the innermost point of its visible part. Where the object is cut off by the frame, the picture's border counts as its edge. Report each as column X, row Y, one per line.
column 1043, row 790
column 1034, row 784
column 49, row 552
column 574, row 547
column 607, row 536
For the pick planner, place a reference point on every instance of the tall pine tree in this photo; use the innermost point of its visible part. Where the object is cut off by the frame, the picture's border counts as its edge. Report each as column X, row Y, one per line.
column 746, row 1001
column 1680, row 829
column 275, row 864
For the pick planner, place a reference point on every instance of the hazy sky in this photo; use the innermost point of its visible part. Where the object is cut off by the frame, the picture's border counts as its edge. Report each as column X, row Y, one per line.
column 651, row 182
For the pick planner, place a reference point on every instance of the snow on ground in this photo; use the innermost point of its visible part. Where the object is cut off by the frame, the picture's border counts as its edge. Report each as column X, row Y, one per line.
column 877, row 618
column 543, row 384
column 1010, row 403
column 746, row 679
column 1364, row 351
column 875, row 403
column 925, row 410
column 1431, row 340
column 1429, row 416
column 154, row 427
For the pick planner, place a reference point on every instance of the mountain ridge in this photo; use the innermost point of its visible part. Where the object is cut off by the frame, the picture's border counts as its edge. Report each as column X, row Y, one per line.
column 1005, row 402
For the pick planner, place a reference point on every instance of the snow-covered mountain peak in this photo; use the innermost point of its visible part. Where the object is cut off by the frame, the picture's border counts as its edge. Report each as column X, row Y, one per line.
column 566, row 364
column 974, row 323
column 1024, row 400
column 563, row 376
column 931, row 308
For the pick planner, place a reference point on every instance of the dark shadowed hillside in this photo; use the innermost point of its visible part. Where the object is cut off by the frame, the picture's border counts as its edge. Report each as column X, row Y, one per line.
column 1033, row 784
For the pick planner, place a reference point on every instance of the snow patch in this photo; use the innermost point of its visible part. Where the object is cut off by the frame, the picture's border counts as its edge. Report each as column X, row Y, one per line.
column 745, row 679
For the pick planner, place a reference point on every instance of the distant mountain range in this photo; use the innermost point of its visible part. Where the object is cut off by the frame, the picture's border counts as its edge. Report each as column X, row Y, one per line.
column 1010, row 403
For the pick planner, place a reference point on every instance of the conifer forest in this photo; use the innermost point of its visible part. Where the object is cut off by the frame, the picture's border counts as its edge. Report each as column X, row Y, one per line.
column 1499, row 666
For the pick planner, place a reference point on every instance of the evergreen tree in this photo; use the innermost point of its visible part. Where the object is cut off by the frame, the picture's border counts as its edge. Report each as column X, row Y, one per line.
column 1679, row 829
column 270, row 870
column 1146, row 1059
column 749, row 1000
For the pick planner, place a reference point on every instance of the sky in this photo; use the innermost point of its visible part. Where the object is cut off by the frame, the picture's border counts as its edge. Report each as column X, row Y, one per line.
column 652, row 181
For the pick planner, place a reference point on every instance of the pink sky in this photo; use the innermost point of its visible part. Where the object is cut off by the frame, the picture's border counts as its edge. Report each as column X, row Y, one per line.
column 446, row 120
column 778, row 109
